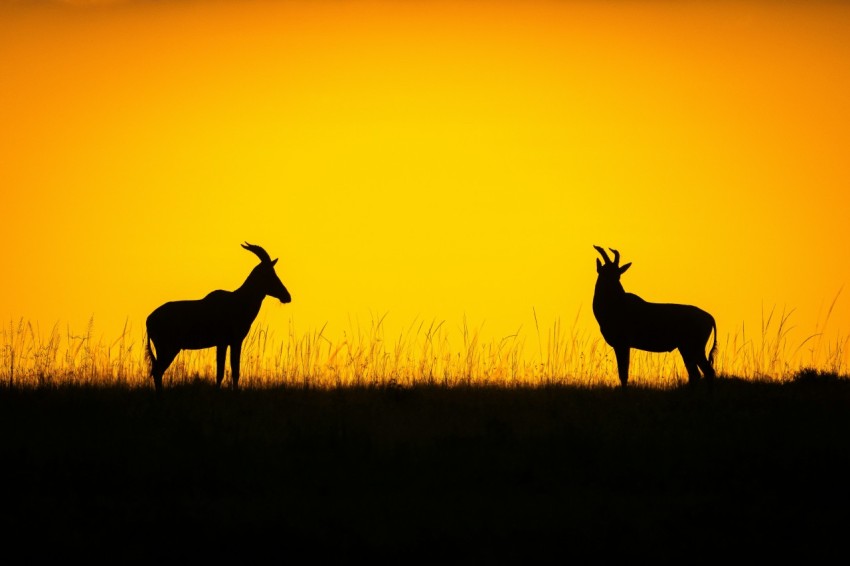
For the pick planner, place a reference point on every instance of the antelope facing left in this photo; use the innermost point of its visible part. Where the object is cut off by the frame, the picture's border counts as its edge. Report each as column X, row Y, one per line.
column 627, row 322
column 222, row 319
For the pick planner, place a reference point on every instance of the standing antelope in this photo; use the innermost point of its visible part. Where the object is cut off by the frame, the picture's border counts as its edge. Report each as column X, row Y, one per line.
column 627, row 322
column 221, row 320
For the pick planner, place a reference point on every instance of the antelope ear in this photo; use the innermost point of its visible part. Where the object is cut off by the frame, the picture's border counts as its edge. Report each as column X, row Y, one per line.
column 625, row 267
column 274, row 261
column 598, row 265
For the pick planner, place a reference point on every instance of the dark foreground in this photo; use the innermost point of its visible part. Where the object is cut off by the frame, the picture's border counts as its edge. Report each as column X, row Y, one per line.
column 426, row 475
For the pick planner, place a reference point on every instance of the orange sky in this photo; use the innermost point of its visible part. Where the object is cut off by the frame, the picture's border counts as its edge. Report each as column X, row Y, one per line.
column 428, row 160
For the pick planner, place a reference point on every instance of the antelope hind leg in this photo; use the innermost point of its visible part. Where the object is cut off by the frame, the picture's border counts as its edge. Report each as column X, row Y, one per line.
column 707, row 371
column 693, row 371
column 159, row 366
column 692, row 363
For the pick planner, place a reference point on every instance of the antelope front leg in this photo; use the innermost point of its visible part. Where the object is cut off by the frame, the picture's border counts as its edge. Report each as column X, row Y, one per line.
column 235, row 355
column 220, row 353
column 622, row 354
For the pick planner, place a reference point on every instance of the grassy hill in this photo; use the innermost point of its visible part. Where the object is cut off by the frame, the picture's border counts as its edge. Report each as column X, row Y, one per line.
column 427, row 474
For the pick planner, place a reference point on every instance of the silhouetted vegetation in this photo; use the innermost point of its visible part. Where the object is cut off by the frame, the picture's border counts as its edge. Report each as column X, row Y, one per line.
column 746, row 469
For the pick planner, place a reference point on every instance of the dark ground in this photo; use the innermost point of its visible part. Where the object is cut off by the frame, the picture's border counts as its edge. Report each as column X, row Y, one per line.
column 427, row 475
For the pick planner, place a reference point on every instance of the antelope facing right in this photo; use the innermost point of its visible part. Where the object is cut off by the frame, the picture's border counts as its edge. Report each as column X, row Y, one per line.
column 627, row 322
column 222, row 319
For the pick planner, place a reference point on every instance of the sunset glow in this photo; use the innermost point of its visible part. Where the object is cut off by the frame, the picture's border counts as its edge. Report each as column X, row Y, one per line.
column 429, row 161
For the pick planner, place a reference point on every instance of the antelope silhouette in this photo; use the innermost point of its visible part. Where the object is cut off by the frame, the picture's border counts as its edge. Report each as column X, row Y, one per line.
column 627, row 322
column 222, row 319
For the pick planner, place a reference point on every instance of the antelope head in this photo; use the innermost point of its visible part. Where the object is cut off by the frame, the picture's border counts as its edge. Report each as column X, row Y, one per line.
column 265, row 276
column 610, row 271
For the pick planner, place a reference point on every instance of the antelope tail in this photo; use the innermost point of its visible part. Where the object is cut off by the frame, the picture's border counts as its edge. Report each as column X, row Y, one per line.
column 149, row 351
column 713, row 353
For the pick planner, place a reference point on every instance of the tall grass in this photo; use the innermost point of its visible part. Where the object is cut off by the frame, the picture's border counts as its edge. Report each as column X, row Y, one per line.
column 425, row 352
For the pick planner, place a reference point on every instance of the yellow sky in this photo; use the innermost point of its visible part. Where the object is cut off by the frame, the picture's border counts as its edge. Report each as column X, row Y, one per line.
column 428, row 160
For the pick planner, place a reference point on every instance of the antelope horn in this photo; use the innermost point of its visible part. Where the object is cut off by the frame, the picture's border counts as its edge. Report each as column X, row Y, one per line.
column 604, row 255
column 616, row 256
column 260, row 252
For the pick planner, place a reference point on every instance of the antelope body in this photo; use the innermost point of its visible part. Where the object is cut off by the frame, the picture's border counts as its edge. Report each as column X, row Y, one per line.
column 627, row 321
column 222, row 320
